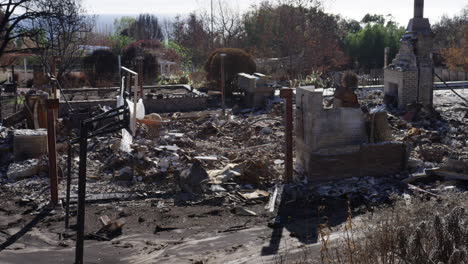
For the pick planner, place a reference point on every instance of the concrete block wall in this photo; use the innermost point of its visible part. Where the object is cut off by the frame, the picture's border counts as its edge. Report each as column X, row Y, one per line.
column 177, row 104
column 331, row 143
column 366, row 160
column 325, row 128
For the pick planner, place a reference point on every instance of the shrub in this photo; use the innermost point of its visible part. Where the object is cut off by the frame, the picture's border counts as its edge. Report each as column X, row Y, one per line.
column 419, row 231
column 349, row 80
column 316, row 79
column 236, row 61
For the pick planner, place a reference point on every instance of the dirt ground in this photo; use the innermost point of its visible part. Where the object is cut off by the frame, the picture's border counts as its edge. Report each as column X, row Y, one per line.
column 201, row 233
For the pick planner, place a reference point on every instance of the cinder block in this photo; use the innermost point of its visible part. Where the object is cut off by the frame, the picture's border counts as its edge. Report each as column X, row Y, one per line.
column 29, row 143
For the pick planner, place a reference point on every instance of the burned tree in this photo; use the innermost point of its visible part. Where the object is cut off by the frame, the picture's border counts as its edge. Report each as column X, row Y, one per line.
column 99, row 69
column 147, row 51
column 146, row 26
column 14, row 17
column 61, row 35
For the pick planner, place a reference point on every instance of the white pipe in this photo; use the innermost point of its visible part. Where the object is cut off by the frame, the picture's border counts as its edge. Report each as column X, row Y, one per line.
column 135, row 101
column 123, row 87
column 128, row 70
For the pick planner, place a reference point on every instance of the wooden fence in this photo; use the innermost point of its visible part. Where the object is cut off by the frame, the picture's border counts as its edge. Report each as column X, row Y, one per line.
column 450, row 76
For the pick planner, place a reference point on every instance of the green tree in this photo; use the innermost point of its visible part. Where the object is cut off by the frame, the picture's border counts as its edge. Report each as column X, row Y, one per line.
column 366, row 46
column 123, row 23
column 119, row 42
column 378, row 19
column 193, row 35
column 182, row 52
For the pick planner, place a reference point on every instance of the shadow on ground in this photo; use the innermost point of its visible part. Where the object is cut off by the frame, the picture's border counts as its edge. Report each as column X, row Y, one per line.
column 12, row 239
column 302, row 217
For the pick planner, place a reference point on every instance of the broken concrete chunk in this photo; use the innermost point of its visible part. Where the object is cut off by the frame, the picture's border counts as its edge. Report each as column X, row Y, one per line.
column 209, row 158
column 105, row 220
column 29, row 143
column 176, row 135
column 192, row 179
column 278, row 162
column 266, row 131
column 226, row 174
column 217, row 188
column 257, row 194
column 142, row 151
column 244, row 211
column 124, row 174
column 25, row 169
column 170, row 148
column 111, row 230
column 164, row 164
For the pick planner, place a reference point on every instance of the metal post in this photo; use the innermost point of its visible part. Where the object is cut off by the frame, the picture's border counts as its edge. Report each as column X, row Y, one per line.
column 54, row 72
column 13, row 81
column 52, row 106
column 223, row 91
column 212, row 32
column 81, row 194
column 119, row 58
column 386, row 51
column 25, row 64
column 69, row 165
column 140, row 76
column 287, row 94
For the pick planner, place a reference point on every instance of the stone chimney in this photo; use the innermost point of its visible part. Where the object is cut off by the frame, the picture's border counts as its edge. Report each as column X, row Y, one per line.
column 409, row 78
column 418, row 8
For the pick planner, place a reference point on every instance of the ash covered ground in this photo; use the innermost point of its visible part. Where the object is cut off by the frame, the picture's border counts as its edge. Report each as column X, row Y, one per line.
column 200, row 191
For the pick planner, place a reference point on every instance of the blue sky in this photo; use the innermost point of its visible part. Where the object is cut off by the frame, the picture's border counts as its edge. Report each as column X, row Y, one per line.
column 402, row 10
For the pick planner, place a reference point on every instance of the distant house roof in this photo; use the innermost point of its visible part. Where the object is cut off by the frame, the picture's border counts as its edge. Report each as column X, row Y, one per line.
column 91, row 48
column 166, row 62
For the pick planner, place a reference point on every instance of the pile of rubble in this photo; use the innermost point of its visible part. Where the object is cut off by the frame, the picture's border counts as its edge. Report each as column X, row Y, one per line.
column 196, row 156
column 206, row 156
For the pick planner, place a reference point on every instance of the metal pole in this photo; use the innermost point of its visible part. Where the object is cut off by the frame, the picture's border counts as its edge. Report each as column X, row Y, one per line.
column 81, row 194
column 25, row 64
column 69, row 165
column 287, row 94
column 54, row 72
column 52, row 105
column 212, row 32
column 140, row 76
column 386, row 51
column 223, row 91
column 15, row 87
column 119, row 58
